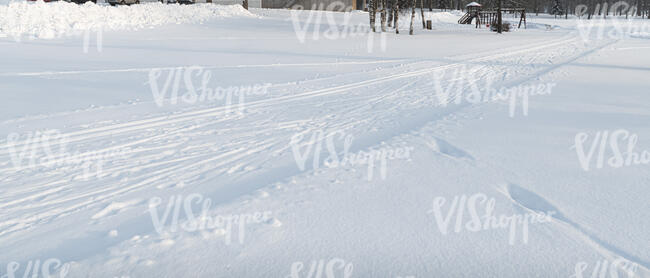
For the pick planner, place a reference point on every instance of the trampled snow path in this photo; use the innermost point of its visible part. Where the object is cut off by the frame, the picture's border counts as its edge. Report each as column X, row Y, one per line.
column 225, row 154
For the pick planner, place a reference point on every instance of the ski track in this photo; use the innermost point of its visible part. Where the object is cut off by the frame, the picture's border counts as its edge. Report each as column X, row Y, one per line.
column 76, row 72
column 193, row 115
column 59, row 191
column 180, row 118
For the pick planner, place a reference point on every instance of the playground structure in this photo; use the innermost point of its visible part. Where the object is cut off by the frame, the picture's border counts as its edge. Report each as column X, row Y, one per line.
column 473, row 9
column 488, row 16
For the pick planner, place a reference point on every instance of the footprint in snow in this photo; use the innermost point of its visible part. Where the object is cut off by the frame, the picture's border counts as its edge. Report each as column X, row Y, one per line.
column 531, row 201
column 444, row 147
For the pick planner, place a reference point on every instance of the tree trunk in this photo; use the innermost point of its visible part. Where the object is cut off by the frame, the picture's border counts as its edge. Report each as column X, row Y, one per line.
column 499, row 21
column 598, row 9
column 371, row 12
column 396, row 11
column 566, row 13
column 412, row 17
column 383, row 15
column 424, row 25
column 390, row 12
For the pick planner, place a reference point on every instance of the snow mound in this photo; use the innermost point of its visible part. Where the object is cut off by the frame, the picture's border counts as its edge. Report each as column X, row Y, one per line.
column 443, row 17
column 640, row 35
column 52, row 20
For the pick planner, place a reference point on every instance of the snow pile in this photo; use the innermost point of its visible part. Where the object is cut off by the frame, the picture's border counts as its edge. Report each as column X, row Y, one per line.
column 6, row 2
column 640, row 35
column 443, row 17
column 51, row 20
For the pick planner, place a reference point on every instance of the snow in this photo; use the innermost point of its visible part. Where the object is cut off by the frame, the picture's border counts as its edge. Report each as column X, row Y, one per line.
column 56, row 19
column 109, row 168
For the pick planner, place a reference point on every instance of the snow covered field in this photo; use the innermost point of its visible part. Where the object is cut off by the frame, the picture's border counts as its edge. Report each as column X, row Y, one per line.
column 209, row 141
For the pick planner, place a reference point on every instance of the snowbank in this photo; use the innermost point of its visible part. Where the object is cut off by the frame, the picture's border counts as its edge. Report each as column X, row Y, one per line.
column 443, row 17
column 51, row 20
column 640, row 35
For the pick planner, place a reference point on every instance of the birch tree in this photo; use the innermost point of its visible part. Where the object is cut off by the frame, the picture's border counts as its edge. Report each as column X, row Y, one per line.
column 396, row 11
column 383, row 15
column 412, row 17
column 424, row 26
column 372, row 5
column 391, row 4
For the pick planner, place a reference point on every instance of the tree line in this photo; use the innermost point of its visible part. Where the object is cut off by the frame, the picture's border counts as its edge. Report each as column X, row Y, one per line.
column 390, row 10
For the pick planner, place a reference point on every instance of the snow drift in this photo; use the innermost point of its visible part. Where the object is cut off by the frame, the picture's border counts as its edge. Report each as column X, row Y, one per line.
column 51, row 20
